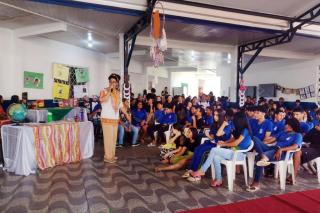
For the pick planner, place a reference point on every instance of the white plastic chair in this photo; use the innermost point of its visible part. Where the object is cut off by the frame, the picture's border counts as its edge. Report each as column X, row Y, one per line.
column 317, row 169
column 166, row 133
column 251, row 161
column 282, row 166
column 231, row 166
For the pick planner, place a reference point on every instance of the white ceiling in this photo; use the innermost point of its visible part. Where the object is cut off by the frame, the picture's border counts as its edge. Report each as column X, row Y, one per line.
column 105, row 28
column 288, row 8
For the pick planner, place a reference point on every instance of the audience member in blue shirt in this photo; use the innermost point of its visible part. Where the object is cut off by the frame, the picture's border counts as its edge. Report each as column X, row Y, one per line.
column 139, row 118
column 220, row 131
column 288, row 140
column 316, row 120
column 158, row 119
column 261, row 127
column 278, row 123
column 208, row 118
column 241, row 140
column 169, row 118
column 298, row 113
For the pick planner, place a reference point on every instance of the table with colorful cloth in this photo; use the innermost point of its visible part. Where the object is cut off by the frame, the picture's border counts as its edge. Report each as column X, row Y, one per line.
column 33, row 146
column 41, row 115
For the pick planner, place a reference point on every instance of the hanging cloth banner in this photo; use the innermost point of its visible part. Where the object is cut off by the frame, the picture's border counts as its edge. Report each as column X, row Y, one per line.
column 156, row 26
column 304, row 93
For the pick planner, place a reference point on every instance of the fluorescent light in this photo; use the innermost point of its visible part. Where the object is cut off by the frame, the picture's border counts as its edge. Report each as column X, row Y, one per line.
column 89, row 44
column 89, row 36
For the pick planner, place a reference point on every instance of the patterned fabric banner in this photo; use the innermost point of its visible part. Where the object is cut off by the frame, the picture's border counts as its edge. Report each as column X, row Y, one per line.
column 57, row 144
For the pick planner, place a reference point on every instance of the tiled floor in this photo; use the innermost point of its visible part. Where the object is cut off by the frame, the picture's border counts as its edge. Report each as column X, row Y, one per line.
column 128, row 186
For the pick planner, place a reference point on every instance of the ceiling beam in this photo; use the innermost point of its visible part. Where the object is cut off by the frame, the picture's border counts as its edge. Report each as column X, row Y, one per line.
column 37, row 30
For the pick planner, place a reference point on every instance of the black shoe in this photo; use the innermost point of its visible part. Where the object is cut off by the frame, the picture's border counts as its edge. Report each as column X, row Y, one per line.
column 119, row 146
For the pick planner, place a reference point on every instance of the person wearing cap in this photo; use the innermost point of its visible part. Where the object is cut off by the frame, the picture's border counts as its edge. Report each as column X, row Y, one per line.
column 110, row 101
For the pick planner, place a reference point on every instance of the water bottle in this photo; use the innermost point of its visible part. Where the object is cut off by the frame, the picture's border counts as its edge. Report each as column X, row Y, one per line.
column 81, row 115
column 49, row 117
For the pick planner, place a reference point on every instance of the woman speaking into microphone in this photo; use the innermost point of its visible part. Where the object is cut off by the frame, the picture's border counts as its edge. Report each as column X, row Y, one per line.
column 110, row 101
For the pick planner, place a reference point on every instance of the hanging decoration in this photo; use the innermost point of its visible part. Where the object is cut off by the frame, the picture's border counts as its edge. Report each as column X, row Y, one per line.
column 159, row 37
column 242, row 91
column 126, row 91
column 304, row 93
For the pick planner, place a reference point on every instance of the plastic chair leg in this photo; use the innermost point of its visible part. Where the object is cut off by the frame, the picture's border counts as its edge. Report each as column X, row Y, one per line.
column 282, row 171
column 318, row 168
column 213, row 174
column 251, row 156
column 230, row 173
column 245, row 173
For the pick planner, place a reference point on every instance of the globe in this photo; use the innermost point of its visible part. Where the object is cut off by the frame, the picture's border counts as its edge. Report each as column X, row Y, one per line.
column 17, row 112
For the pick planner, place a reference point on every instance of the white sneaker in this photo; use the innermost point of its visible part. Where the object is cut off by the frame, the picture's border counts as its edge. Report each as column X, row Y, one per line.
column 151, row 145
column 134, row 145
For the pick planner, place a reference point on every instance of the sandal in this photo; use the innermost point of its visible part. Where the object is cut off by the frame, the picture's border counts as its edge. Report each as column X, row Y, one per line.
column 215, row 183
column 289, row 181
column 198, row 173
column 194, row 179
column 263, row 162
column 252, row 189
column 186, row 174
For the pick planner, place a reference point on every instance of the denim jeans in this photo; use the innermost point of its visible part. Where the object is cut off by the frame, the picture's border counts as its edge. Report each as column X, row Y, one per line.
column 216, row 156
column 261, row 147
column 135, row 132
column 121, row 132
column 270, row 154
column 199, row 154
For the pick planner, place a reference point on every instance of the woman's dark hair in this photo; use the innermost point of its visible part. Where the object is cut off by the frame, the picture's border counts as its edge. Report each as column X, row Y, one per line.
column 1, row 98
column 15, row 99
column 137, row 103
column 229, row 115
column 240, row 122
column 294, row 123
column 115, row 77
column 194, row 132
column 221, row 114
column 177, row 127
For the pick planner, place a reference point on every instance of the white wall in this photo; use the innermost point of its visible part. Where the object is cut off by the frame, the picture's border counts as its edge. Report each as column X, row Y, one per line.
column 37, row 55
column 287, row 73
column 211, row 82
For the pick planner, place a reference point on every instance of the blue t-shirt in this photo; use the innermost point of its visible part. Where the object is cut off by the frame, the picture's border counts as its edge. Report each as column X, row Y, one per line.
column 138, row 116
column 310, row 124
column 158, row 115
column 304, row 127
column 208, row 120
column 278, row 127
column 287, row 139
column 259, row 130
column 188, row 116
column 316, row 122
column 170, row 118
column 245, row 143
column 227, row 133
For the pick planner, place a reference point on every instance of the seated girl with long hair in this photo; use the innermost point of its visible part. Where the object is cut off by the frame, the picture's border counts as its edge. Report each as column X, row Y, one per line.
column 220, row 130
column 179, row 157
column 241, row 140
